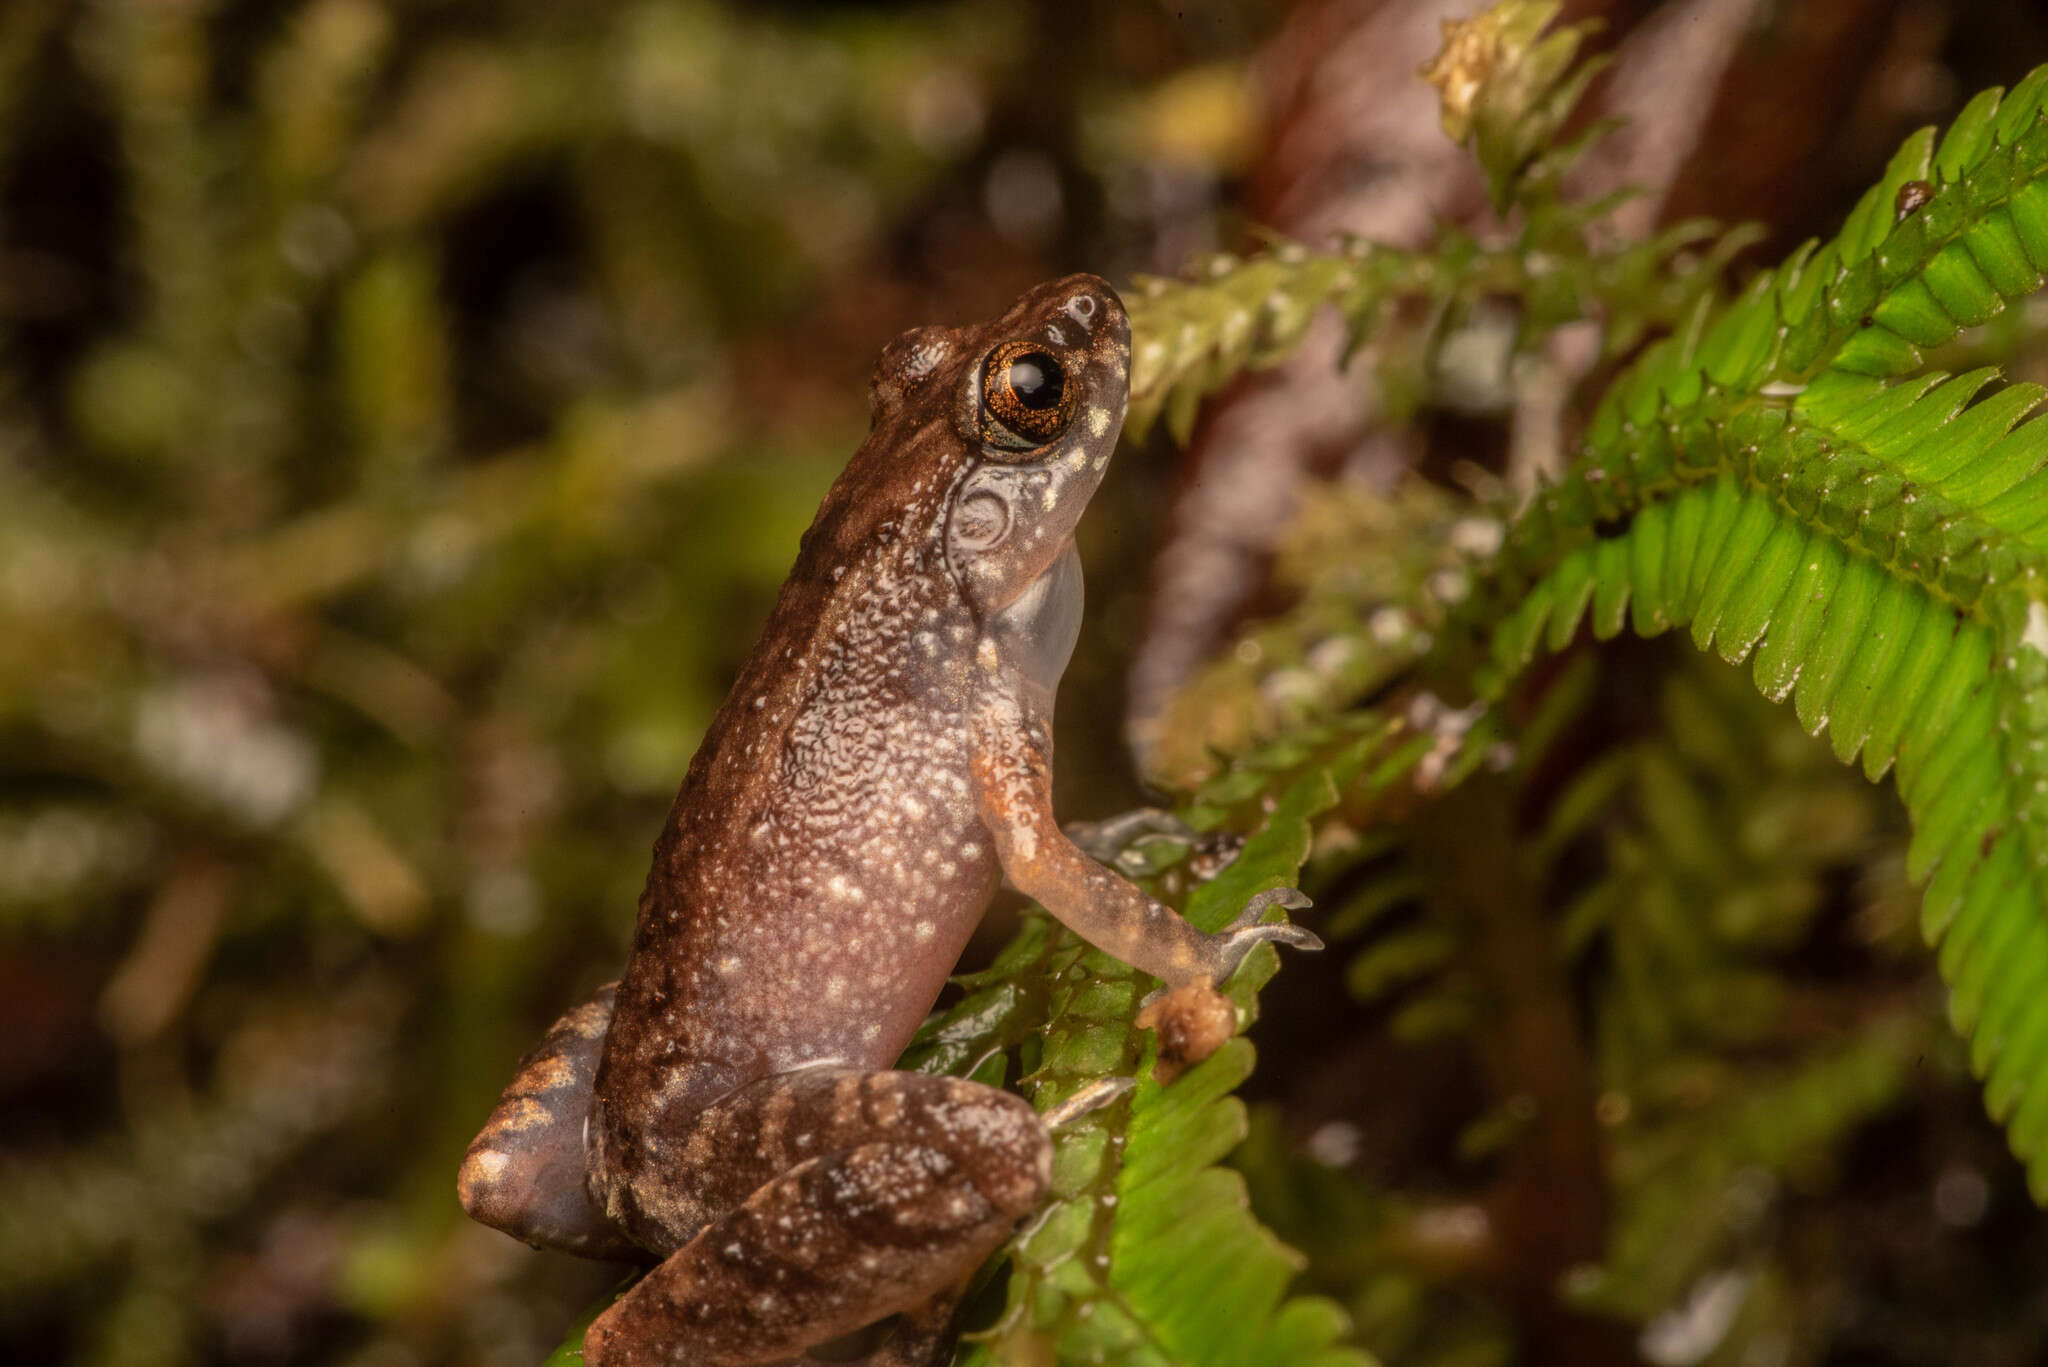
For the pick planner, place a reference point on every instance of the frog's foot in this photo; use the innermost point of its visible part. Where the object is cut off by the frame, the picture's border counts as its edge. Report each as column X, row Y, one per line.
column 524, row 1173
column 1105, row 841
column 872, row 1194
column 1250, row 929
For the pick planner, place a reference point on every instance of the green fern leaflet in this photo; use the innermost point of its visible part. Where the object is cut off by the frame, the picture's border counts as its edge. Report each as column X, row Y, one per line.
column 1784, row 485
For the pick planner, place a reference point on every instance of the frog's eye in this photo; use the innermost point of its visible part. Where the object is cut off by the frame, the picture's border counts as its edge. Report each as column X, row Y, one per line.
column 1025, row 398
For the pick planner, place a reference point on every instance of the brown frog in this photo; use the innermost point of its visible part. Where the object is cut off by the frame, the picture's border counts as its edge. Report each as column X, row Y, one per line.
column 885, row 758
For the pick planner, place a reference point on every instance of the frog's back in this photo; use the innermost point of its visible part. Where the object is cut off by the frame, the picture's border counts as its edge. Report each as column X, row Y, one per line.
column 823, row 865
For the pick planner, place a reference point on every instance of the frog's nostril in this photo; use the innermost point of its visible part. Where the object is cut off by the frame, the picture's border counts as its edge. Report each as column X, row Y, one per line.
column 1082, row 308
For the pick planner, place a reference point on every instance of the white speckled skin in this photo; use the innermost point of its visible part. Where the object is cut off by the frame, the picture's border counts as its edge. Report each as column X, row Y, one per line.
column 883, row 759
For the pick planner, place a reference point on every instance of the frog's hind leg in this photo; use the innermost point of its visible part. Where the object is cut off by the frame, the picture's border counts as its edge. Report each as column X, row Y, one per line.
column 525, row 1172
column 836, row 1198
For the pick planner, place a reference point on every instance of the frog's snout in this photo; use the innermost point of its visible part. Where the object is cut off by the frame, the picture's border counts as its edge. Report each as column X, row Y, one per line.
column 1081, row 313
column 1092, row 304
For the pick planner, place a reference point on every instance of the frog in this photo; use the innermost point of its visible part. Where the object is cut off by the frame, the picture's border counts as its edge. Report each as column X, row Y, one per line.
column 728, row 1110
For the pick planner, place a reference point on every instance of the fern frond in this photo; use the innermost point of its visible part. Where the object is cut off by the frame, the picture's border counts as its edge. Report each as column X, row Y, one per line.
column 1239, row 314
column 1360, row 622
column 1866, row 306
column 1893, row 669
column 1879, row 544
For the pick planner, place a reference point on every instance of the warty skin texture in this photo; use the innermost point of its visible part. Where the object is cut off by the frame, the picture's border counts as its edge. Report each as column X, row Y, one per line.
column 882, row 761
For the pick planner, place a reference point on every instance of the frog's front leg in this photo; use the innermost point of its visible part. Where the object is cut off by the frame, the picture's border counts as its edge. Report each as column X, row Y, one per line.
column 811, row 1203
column 1012, row 778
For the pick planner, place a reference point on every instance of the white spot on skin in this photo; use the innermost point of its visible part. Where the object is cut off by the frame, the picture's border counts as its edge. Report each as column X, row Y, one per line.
column 490, row 1164
column 1098, row 421
column 924, row 930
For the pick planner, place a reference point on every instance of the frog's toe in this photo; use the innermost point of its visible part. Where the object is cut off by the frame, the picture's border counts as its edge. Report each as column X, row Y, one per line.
column 1254, row 913
column 1279, row 933
column 1105, row 840
column 1250, row 929
column 1294, row 937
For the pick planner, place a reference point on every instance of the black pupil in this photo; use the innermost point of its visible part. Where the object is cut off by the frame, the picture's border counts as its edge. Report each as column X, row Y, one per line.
column 1035, row 380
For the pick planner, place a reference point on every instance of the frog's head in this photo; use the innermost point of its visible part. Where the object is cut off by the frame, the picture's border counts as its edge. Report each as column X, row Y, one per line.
column 1037, row 399
column 987, row 442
